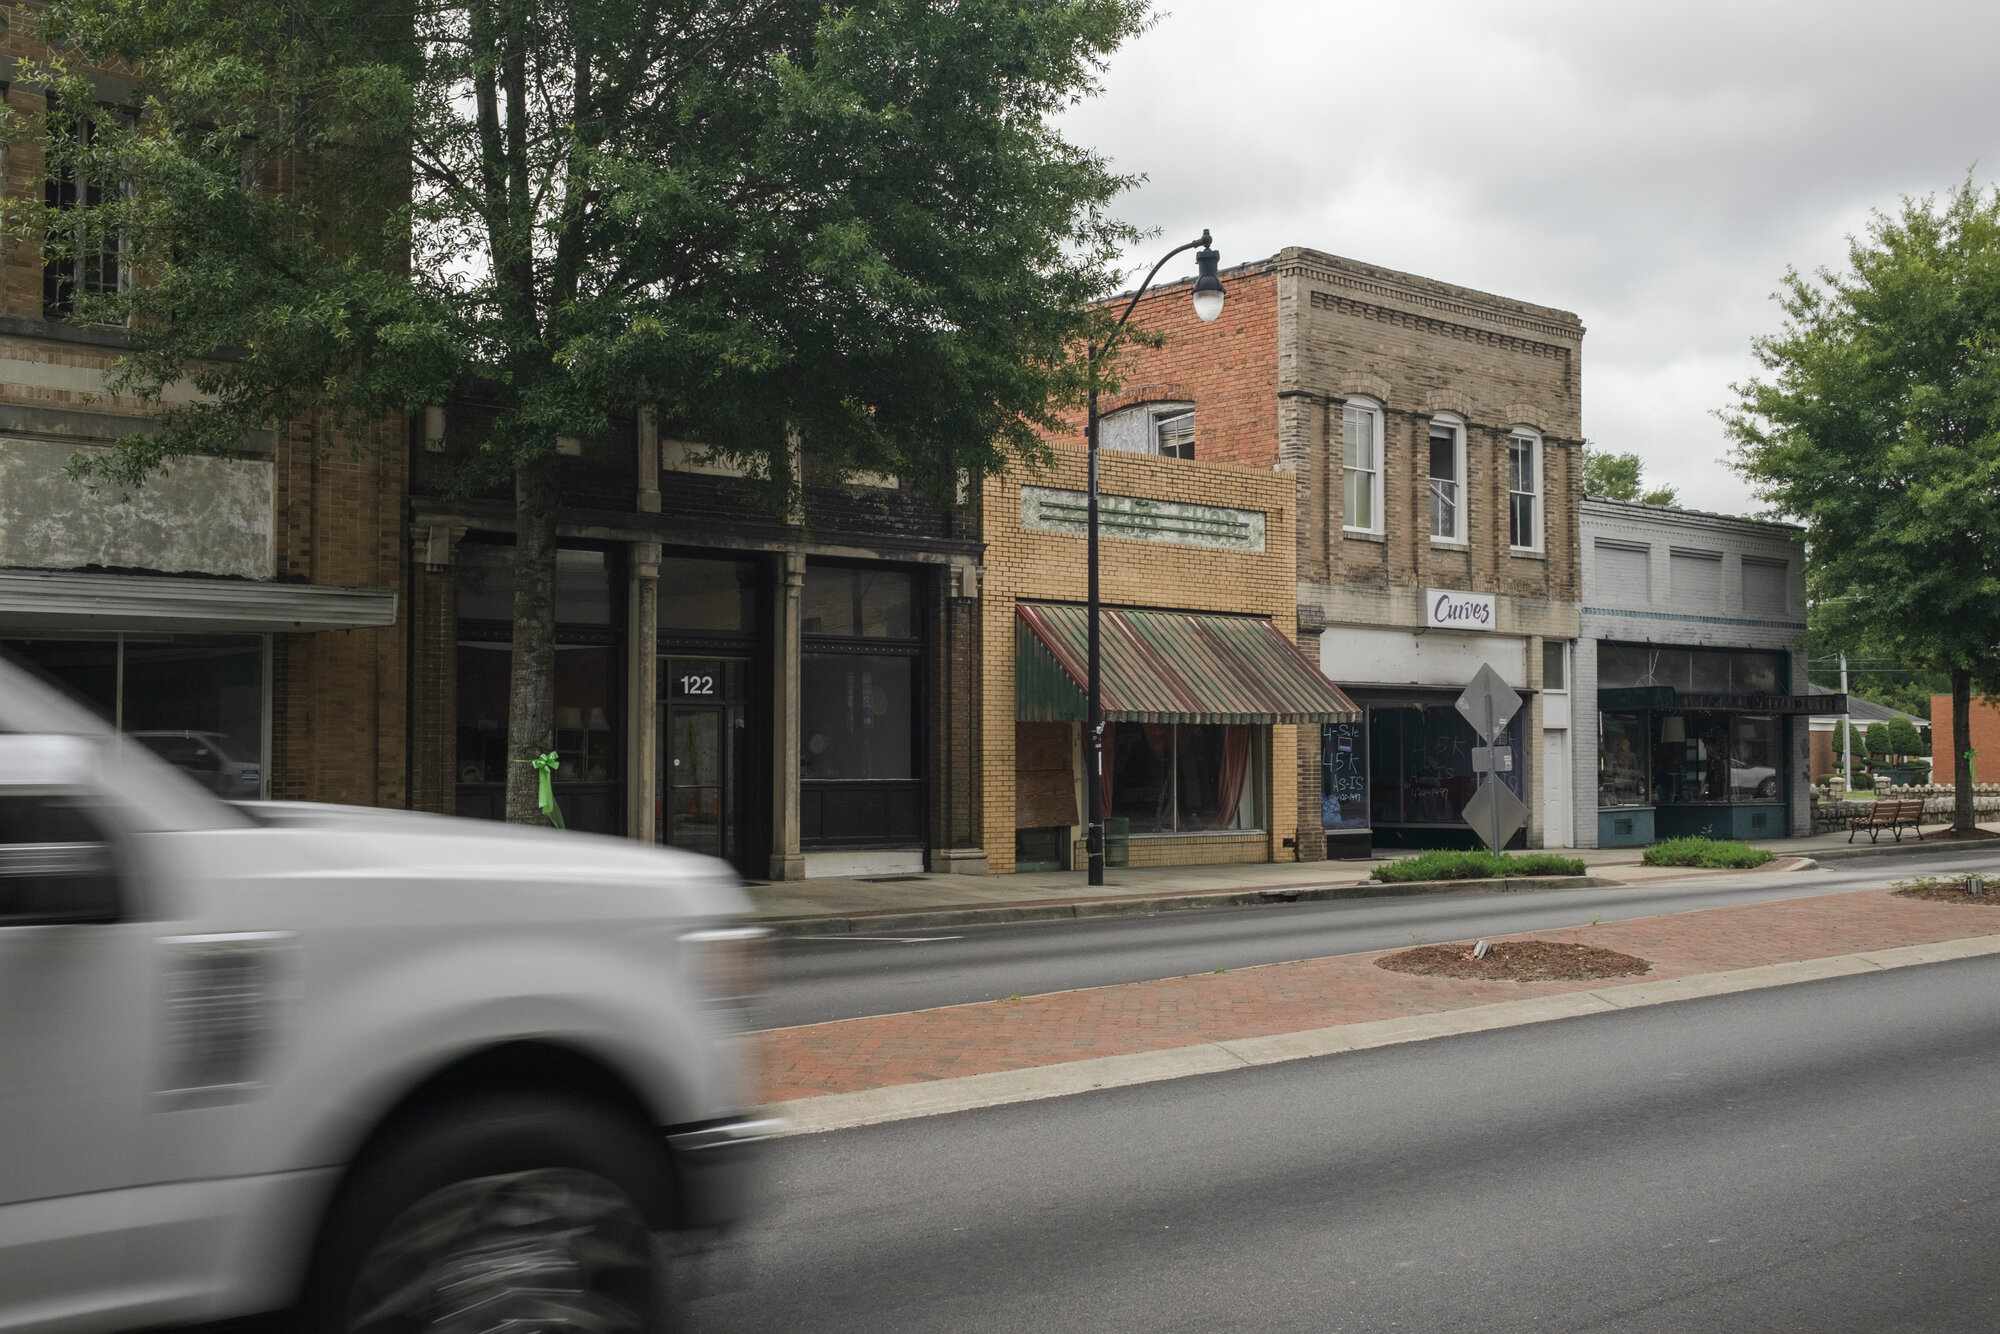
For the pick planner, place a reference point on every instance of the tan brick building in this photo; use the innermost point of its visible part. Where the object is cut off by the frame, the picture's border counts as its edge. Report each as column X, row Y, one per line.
column 1192, row 554
column 1433, row 437
column 240, row 615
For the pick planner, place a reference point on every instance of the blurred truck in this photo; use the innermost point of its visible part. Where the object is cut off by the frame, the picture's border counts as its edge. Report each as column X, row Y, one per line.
column 376, row 1070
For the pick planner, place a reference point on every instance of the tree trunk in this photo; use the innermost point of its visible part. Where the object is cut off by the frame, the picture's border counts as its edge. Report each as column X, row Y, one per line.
column 1961, row 750
column 532, row 703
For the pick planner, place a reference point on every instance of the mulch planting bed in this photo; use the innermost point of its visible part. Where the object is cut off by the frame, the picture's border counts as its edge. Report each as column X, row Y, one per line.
column 1949, row 891
column 1517, row 961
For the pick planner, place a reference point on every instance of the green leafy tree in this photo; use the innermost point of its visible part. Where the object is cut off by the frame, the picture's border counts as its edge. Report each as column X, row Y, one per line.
column 837, row 238
column 1903, row 738
column 1621, row 477
column 1877, row 425
column 1876, row 739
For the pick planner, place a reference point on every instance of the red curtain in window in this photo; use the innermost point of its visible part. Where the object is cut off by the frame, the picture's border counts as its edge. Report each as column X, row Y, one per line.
column 1235, row 769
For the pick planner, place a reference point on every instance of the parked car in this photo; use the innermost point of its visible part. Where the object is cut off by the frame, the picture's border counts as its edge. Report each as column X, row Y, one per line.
column 211, row 759
column 382, row 1070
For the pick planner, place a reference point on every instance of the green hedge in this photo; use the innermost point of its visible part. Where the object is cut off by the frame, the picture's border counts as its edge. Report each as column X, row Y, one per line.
column 1438, row 865
column 1720, row 854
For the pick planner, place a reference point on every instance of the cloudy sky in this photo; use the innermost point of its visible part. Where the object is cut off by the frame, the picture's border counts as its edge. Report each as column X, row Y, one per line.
column 1653, row 168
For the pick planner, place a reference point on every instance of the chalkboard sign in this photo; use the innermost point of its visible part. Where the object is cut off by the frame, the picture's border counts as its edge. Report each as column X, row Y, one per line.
column 1343, row 770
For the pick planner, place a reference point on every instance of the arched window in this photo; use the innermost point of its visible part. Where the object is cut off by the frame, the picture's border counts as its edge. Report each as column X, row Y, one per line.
column 1150, row 428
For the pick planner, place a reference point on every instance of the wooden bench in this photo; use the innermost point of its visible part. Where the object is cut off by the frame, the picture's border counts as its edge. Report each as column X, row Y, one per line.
column 1895, row 816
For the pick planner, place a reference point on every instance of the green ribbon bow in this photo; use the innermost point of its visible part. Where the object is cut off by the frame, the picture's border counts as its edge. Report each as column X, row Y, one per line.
column 546, row 765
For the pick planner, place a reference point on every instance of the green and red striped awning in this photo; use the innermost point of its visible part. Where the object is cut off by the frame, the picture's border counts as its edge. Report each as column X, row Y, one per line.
column 1167, row 667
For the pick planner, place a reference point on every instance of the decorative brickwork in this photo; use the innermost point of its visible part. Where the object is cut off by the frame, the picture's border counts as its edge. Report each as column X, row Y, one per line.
column 1024, row 565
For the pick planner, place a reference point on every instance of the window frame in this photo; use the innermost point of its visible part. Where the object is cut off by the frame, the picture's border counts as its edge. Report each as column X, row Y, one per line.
column 1531, row 438
column 1154, row 413
column 1375, row 480
column 1461, row 528
column 118, row 249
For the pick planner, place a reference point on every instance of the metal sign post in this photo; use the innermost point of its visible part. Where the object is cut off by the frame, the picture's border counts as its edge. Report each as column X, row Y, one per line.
column 1494, row 811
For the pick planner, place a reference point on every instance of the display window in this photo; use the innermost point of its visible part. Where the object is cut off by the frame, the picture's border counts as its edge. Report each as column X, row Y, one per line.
column 1420, row 763
column 1703, row 757
column 1182, row 778
column 855, row 716
column 861, row 674
column 196, row 701
column 1624, row 771
column 1701, row 670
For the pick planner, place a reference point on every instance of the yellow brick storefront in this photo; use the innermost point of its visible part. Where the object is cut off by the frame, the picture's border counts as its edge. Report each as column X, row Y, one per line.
column 1030, row 564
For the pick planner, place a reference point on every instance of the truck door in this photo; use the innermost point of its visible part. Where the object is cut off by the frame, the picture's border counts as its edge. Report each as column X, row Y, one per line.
column 76, row 982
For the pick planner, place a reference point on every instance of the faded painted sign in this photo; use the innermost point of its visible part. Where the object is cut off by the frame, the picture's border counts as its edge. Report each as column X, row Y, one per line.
column 1046, row 510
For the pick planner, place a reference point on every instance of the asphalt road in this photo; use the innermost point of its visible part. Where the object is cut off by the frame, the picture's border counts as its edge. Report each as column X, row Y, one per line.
column 1816, row 1157
column 820, row 978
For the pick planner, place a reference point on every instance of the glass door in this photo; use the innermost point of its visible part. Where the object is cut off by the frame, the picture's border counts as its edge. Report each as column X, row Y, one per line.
column 702, row 755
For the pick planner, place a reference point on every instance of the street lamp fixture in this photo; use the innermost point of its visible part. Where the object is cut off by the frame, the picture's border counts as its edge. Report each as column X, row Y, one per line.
column 1208, row 298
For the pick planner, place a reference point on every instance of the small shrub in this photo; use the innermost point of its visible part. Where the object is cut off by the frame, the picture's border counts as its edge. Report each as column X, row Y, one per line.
column 1716, row 854
column 1442, row 865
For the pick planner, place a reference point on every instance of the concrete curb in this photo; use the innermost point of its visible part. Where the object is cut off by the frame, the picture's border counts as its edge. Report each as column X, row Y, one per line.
column 902, row 1102
column 1932, row 844
column 892, row 919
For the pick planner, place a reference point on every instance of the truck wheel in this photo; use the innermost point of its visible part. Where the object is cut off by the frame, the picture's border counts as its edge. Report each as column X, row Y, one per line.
column 498, row 1213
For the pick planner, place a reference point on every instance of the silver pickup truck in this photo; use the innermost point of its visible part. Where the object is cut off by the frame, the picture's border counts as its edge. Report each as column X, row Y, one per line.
column 379, row 1071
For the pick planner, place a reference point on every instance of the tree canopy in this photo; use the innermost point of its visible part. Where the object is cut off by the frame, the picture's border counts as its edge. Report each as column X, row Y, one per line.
column 789, row 228
column 1877, row 425
column 1621, row 477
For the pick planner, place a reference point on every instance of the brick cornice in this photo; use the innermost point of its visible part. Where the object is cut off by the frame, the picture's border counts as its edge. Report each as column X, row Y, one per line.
column 1379, row 287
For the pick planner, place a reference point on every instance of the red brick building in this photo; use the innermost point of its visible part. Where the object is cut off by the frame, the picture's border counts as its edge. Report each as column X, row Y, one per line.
column 1985, row 719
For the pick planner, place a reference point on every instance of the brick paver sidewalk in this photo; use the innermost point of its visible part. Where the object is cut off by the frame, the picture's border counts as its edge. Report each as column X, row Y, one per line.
column 856, row 1054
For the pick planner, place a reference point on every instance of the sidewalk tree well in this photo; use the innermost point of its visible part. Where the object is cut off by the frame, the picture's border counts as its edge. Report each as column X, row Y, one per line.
column 843, row 238
column 1876, row 424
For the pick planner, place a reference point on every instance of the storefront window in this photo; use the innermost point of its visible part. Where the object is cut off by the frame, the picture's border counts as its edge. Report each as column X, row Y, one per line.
column 1420, row 763
column 197, row 701
column 1182, row 777
column 586, row 742
column 855, row 716
column 858, row 603
column 1622, row 768
column 1343, row 775
column 1703, row 670
column 1754, row 761
column 708, row 595
column 485, row 576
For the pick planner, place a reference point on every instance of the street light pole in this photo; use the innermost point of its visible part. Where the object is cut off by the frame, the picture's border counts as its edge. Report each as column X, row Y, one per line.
column 1208, row 297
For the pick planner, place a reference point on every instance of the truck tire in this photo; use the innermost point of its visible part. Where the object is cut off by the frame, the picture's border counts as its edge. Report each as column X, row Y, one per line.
column 508, row 1211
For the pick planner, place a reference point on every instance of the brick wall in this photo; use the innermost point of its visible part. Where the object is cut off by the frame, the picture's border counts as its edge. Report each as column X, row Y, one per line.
column 1985, row 718
column 340, row 704
column 1228, row 369
column 1024, row 565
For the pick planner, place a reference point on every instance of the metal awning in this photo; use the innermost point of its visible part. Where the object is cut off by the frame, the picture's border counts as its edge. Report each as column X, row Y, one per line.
column 57, row 600
column 1635, row 699
column 1168, row 667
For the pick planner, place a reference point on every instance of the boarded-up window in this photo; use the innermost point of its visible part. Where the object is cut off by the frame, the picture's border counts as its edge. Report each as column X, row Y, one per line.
column 1697, row 577
column 1044, row 782
column 1621, row 574
column 1764, row 588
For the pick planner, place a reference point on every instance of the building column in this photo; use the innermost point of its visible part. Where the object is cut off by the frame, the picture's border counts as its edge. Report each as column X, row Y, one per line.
column 1311, row 833
column 787, row 863
column 434, row 670
column 642, row 692
column 1533, row 749
column 954, row 780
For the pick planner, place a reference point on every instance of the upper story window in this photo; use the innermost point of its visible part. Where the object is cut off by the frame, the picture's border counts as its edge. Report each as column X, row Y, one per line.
column 1361, row 452
column 1448, row 480
column 79, row 260
column 1150, row 428
column 1524, row 491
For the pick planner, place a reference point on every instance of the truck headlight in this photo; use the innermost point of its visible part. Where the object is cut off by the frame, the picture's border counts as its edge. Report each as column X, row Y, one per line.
column 727, row 965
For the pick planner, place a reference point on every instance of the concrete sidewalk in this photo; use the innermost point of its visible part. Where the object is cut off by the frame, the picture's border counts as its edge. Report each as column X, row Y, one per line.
column 837, row 904
column 862, row 1071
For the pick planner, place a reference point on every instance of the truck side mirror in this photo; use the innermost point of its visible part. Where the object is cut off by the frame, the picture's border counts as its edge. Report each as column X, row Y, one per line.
column 56, row 863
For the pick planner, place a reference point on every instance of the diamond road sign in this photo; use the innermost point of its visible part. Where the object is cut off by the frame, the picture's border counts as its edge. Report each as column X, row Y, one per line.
column 1495, row 813
column 1488, row 703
